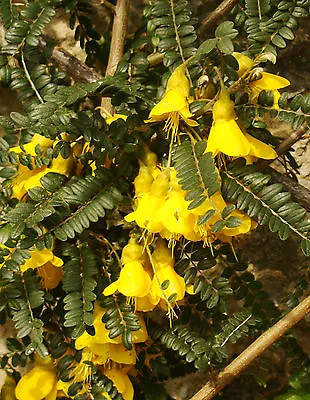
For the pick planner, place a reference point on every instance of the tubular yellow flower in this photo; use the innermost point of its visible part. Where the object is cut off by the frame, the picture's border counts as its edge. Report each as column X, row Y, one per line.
column 266, row 81
column 39, row 383
column 174, row 105
column 39, row 258
column 227, row 137
column 26, row 178
column 133, row 281
column 121, row 381
column 166, row 282
column 105, row 347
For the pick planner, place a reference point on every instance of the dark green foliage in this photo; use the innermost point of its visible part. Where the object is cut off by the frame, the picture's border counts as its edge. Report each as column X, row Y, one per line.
column 120, row 319
column 171, row 29
column 269, row 205
column 196, row 171
column 22, row 300
column 79, row 283
column 270, row 25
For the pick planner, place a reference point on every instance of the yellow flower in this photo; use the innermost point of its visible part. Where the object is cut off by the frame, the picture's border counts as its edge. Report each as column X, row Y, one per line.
column 40, row 258
column 105, row 348
column 50, row 276
column 227, row 137
column 166, row 284
column 133, row 281
column 115, row 117
column 121, row 381
column 266, row 80
column 26, row 178
column 39, row 383
column 175, row 103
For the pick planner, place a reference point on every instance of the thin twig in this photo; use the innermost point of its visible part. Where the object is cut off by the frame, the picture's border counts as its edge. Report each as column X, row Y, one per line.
column 117, row 45
column 30, row 80
column 214, row 17
column 253, row 351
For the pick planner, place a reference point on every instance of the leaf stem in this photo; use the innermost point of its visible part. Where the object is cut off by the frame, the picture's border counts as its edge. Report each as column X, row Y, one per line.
column 253, row 351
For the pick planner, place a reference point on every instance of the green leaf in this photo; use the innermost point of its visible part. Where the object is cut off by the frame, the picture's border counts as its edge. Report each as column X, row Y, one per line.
column 206, row 47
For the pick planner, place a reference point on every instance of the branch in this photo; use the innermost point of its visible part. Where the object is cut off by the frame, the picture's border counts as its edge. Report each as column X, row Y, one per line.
column 213, row 18
column 287, row 143
column 253, row 351
column 76, row 69
column 299, row 192
column 117, row 45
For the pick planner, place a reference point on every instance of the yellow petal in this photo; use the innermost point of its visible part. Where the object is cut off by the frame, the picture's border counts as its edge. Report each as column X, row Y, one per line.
column 227, row 137
column 51, row 275
column 115, row 117
column 119, row 354
column 270, row 82
column 37, row 259
column 179, row 81
column 172, row 101
column 111, row 289
column 245, row 63
column 134, row 280
column 176, row 284
column 260, row 149
column 146, row 303
column 30, row 147
column 30, row 386
column 121, row 382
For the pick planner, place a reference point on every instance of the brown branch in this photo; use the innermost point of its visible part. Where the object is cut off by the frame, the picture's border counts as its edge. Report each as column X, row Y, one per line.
column 300, row 193
column 117, row 45
column 73, row 67
column 253, row 351
column 287, row 143
column 214, row 17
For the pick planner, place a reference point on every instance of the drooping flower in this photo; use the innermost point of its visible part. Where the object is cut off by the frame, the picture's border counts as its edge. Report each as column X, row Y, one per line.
column 121, row 381
column 175, row 103
column 103, row 347
column 172, row 219
column 39, row 383
column 227, row 137
column 82, row 372
column 26, row 178
column 167, row 285
column 48, row 266
column 39, row 258
column 265, row 81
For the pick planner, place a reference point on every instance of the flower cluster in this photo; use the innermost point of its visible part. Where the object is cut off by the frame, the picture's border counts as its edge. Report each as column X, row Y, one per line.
column 47, row 265
column 41, row 381
column 143, row 275
column 161, row 208
column 27, row 178
column 108, row 354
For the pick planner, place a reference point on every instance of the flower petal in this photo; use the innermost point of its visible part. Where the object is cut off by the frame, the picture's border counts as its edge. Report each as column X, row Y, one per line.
column 227, row 137
column 260, row 149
